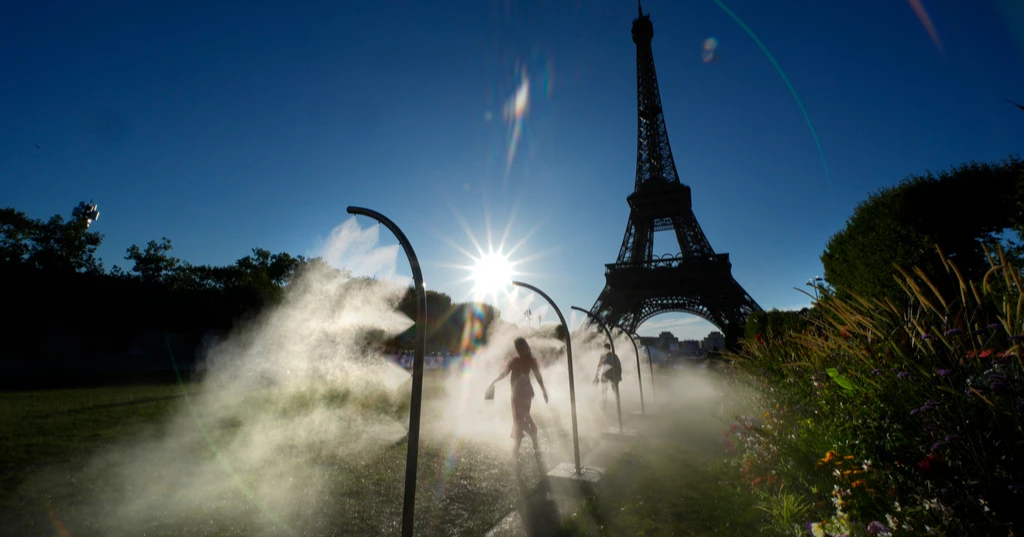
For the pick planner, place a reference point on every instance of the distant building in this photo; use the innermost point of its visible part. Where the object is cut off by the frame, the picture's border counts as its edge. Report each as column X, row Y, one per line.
column 664, row 342
column 690, row 349
column 689, row 344
column 668, row 341
column 714, row 341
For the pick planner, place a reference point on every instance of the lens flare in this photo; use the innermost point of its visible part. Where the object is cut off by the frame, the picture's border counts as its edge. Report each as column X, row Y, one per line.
column 516, row 108
column 58, row 524
column 792, row 90
column 926, row 21
column 709, row 50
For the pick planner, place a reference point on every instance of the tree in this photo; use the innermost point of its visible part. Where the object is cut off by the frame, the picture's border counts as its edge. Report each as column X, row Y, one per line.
column 263, row 270
column 66, row 246
column 16, row 232
column 560, row 332
column 776, row 323
column 153, row 264
column 962, row 211
column 52, row 245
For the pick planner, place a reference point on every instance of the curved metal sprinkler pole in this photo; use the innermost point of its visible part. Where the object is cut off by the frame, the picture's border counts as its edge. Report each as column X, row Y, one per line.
column 572, row 382
column 639, row 372
column 650, row 362
column 618, row 402
column 412, row 453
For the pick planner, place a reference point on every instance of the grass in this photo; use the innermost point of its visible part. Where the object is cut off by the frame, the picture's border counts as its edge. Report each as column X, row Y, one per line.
column 674, row 483
column 46, row 427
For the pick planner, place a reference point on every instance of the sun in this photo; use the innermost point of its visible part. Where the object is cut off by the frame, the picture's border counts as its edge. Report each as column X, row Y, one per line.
column 491, row 273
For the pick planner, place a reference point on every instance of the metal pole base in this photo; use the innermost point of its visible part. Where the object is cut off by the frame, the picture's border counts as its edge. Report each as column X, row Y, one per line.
column 620, row 435
column 565, row 481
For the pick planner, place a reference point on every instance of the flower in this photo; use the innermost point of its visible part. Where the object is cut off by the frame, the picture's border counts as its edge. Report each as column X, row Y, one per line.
column 1018, row 337
column 816, row 530
column 829, row 457
column 943, row 372
column 926, row 336
column 876, row 371
column 877, row 527
column 953, row 332
column 903, row 374
column 925, row 465
column 985, row 353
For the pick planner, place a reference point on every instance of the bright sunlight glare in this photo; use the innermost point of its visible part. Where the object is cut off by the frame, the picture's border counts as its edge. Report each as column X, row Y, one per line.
column 491, row 274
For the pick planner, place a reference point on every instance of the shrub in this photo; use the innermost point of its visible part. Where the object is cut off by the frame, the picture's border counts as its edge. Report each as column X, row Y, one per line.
column 895, row 420
column 776, row 323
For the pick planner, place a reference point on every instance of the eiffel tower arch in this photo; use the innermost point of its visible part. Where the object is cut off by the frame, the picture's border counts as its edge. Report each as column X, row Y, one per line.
column 696, row 280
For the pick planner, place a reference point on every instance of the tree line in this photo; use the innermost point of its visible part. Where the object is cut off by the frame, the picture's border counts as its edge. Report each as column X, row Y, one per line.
column 968, row 213
column 53, row 277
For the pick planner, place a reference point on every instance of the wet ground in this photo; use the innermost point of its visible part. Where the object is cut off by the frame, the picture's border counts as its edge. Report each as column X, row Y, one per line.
column 465, row 487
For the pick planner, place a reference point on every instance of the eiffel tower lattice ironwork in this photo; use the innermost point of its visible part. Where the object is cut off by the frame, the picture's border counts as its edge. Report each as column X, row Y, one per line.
column 640, row 285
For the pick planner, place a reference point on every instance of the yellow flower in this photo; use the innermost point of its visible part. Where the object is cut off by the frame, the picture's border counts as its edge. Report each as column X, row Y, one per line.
column 816, row 530
column 829, row 457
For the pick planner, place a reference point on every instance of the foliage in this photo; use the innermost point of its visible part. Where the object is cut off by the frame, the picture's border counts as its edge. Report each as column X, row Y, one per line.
column 775, row 322
column 963, row 211
column 41, row 262
column 897, row 420
column 261, row 272
column 53, row 245
column 786, row 512
column 153, row 264
column 451, row 327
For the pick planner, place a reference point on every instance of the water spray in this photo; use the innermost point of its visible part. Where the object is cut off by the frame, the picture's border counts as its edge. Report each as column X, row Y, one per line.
column 572, row 382
column 639, row 373
column 611, row 341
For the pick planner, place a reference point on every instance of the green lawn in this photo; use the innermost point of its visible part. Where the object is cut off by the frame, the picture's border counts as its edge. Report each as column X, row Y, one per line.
column 62, row 463
column 672, row 483
column 44, row 427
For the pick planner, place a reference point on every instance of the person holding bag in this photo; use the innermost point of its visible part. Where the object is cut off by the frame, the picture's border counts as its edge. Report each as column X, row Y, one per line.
column 519, row 367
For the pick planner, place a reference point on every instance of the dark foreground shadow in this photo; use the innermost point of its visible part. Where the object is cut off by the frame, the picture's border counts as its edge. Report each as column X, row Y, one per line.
column 133, row 402
column 537, row 511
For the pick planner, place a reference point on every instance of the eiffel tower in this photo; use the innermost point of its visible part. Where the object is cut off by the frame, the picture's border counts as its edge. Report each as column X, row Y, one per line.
column 640, row 285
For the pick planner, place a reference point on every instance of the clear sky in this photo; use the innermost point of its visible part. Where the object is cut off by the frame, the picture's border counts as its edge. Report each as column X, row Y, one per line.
column 226, row 126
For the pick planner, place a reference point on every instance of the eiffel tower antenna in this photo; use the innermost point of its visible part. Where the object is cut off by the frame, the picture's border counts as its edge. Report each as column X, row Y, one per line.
column 640, row 8
column 696, row 280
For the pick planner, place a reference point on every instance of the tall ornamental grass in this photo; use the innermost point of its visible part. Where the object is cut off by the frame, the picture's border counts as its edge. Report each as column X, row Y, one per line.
column 893, row 417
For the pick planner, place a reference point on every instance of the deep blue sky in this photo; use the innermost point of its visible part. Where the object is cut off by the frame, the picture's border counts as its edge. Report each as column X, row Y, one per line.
column 226, row 126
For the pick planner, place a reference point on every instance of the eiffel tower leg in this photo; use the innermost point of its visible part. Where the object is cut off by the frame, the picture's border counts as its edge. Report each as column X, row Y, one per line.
column 733, row 334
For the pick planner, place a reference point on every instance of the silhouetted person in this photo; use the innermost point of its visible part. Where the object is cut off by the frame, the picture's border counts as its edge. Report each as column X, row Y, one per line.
column 519, row 366
column 609, row 373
